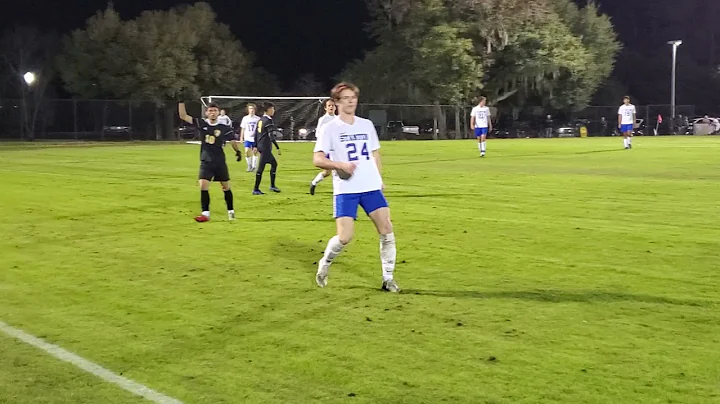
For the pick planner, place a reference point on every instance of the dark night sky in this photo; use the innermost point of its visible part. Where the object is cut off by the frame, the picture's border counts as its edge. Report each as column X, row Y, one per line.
column 305, row 35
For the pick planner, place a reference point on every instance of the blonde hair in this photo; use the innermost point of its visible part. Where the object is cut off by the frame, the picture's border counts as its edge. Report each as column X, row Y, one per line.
column 340, row 87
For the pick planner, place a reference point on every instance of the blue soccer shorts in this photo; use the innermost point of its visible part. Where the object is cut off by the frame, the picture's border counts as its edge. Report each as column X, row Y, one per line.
column 249, row 144
column 346, row 205
column 481, row 131
column 626, row 128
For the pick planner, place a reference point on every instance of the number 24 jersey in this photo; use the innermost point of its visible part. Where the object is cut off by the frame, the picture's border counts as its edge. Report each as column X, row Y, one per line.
column 354, row 144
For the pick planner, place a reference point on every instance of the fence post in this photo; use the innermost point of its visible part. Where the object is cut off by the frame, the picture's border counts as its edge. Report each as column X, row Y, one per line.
column 75, row 121
column 647, row 119
column 130, row 119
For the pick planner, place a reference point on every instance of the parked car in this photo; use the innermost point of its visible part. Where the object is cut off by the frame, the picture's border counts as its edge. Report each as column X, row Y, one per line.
column 117, row 131
column 400, row 127
column 185, row 131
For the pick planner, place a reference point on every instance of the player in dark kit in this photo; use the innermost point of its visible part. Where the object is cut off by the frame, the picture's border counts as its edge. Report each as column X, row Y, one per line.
column 213, row 167
column 264, row 139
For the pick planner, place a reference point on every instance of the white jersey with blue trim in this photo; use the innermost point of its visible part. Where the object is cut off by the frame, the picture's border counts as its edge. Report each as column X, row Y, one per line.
column 249, row 123
column 627, row 112
column 325, row 119
column 354, row 144
column 225, row 120
column 481, row 114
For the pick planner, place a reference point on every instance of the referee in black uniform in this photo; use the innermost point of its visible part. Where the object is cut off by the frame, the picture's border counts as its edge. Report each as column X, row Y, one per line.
column 265, row 139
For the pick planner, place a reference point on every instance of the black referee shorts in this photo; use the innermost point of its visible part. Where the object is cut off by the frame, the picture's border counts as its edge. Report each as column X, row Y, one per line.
column 214, row 172
column 267, row 157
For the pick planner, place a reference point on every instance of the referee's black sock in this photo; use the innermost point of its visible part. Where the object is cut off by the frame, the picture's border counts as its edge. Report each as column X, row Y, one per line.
column 205, row 200
column 229, row 199
column 272, row 178
column 258, row 180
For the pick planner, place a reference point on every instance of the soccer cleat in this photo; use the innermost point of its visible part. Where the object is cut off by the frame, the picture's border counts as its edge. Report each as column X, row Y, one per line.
column 275, row 189
column 630, row 146
column 321, row 277
column 390, row 286
column 258, row 192
column 312, row 188
column 250, row 169
column 231, row 215
column 482, row 154
column 202, row 219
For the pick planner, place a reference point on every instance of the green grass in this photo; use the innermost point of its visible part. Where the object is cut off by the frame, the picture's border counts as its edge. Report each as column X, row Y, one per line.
column 553, row 271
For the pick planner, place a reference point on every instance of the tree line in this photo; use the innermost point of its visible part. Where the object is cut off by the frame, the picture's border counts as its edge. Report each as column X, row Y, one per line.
column 550, row 53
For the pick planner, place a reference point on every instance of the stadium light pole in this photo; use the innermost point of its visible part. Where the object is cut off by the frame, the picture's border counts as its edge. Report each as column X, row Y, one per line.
column 675, row 45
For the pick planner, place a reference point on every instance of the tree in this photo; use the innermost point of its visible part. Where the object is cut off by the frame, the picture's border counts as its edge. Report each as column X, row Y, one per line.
column 26, row 49
column 307, row 85
column 514, row 50
column 160, row 56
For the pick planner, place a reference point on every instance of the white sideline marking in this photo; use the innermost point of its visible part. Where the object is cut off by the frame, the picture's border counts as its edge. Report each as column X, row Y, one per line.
column 90, row 367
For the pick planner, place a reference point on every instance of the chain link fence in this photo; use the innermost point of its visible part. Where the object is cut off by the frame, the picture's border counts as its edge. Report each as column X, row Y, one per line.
column 123, row 120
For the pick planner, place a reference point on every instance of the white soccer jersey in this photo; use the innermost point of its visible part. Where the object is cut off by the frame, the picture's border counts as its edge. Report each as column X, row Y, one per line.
column 249, row 123
column 482, row 115
column 355, row 144
column 627, row 112
column 321, row 122
column 225, row 120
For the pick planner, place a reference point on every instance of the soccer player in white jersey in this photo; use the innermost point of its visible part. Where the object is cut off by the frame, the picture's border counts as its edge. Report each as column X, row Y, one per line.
column 626, row 121
column 248, row 126
column 224, row 119
column 481, row 123
column 329, row 107
column 353, row 145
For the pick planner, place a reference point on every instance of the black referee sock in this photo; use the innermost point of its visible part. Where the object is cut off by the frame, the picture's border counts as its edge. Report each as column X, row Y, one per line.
column 272, row 178
column 258, row 180
column 229, row 199
column 205, row 200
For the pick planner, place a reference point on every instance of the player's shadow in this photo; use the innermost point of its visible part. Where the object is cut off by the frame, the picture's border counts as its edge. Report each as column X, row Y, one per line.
column 307, row 253
column 325, row 219
column 563, row 296
column 444, row 195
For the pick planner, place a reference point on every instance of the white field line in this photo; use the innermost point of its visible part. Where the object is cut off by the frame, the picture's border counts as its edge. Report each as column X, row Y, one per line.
column 90, row 367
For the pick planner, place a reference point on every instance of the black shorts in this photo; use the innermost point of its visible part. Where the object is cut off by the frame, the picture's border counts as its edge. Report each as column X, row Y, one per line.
column 214, row 172
column 267, row 158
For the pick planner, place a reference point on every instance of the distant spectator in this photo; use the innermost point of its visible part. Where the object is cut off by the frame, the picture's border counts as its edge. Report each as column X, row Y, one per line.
column 548, row 126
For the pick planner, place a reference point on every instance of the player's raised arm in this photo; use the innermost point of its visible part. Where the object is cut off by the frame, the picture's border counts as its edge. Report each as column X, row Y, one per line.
column 183, row 113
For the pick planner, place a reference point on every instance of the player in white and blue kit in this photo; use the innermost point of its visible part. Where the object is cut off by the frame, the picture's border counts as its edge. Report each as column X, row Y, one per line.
column 353, row 145
column 224, row 119
column 481, row 123
column 248, row 126
column 626, row 121
column 329, row 107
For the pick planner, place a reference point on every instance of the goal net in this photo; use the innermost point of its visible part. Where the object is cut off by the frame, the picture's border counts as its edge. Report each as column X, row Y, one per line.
column 295, row 117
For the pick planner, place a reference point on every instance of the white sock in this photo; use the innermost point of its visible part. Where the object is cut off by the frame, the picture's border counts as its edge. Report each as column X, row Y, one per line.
column 247, row 160
column 318, row 179
column 206, row 213
column 388, row 252
column 629, row 141
column 333, row 249
column 625, row 141
column 482, row 146
column 254, row 161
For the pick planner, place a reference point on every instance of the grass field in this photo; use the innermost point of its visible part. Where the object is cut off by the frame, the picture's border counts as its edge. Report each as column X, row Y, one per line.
column 552, row 271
